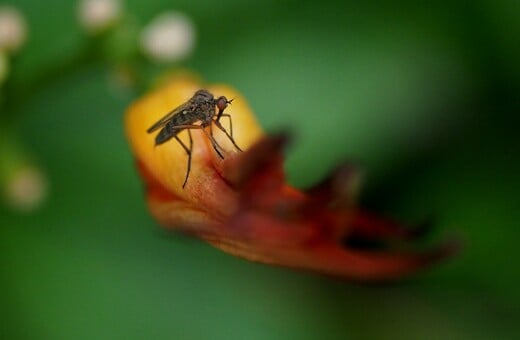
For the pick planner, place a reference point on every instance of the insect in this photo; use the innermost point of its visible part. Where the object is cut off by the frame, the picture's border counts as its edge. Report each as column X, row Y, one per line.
column 197, row 113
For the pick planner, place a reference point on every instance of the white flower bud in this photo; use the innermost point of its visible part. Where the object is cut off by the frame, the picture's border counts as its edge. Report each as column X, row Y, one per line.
column 169, row 37
column 26, row 190
column 13, row 29
column 97, row 15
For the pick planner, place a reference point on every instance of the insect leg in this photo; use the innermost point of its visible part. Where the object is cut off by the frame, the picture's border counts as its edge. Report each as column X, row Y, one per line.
column 183, row 145
column 211, row 130
column 214, row 143
column 188, row 151
column 217, row 123
column 213, row 140
column 189, row 161
column 230, row 123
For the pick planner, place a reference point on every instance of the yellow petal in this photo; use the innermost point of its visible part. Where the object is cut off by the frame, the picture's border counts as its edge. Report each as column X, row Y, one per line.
column 168, row 162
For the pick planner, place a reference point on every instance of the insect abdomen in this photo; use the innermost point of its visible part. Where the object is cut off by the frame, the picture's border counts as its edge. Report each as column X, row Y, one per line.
column 163, row 136
column 166, row 133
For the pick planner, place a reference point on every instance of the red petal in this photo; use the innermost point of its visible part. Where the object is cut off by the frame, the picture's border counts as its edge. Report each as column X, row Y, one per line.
column 279, row 225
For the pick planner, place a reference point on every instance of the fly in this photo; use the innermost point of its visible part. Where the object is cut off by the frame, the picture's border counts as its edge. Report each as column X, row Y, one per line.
column 197, row 113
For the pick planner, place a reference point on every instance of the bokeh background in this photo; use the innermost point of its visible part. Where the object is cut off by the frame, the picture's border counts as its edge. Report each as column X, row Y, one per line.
column 425, row 97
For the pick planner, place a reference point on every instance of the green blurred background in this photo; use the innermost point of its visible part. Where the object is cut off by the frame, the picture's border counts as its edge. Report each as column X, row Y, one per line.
column 424, row 96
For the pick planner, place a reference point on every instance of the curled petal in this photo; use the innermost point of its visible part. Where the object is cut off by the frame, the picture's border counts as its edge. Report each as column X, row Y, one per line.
column 279, row 225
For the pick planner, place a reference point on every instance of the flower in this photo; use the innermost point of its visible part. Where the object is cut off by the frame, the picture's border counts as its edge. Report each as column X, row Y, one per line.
column 13, row 29
column 98, row 15
column 169, row 37
column 242, row 205
column 26, row 190
column 23, row 185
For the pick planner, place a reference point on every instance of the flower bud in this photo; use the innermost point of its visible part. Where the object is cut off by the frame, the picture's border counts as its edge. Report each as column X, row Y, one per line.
column 96, row 16
column 26, row 189
column 169, row 37
column 13, row 29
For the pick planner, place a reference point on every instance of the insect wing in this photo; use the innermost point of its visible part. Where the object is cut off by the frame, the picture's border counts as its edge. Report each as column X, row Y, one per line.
column 161, row 122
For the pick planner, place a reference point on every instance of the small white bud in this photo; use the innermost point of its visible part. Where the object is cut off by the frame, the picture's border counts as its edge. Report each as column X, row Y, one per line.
column 97, row 15
column 169, row 37
column 13, row 29
column 26, row 190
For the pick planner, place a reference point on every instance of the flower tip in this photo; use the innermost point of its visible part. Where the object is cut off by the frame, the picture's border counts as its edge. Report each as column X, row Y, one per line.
column 341, row 187
column 265, row 153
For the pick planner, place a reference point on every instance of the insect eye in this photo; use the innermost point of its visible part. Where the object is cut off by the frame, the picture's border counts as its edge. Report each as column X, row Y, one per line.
column 222, row 103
